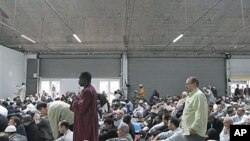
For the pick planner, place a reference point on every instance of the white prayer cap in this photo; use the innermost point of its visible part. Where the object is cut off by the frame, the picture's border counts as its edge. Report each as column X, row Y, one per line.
column 140, row 101
column 122, row 102
column 10, row 129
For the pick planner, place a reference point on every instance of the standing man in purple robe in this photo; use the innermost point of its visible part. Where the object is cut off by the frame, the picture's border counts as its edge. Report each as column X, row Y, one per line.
column 84, row 107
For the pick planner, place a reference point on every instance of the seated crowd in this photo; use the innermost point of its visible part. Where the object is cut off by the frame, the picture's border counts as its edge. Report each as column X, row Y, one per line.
column 158, row 118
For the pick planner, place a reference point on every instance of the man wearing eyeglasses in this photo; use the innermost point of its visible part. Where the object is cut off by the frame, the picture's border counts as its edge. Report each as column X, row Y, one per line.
column 195, row 115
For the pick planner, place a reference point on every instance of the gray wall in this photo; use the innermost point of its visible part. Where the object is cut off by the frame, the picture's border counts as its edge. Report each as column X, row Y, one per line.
column 12, row 71
column 168, row 75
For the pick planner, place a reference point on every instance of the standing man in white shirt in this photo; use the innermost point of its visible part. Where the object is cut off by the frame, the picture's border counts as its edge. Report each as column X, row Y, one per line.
column 63, row 128
column 22, row 91
column 210, row 96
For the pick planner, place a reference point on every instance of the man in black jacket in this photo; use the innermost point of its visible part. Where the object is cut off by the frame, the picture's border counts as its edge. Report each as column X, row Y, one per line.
column 214, row 127
column 31, row 128
column 3, row 122
column 127, row 119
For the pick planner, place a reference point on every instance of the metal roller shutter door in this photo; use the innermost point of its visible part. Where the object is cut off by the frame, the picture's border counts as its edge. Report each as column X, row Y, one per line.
column 71, row 68
column 168, row 75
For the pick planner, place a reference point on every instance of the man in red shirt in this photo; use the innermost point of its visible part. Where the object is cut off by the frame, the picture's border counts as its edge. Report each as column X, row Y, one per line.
column 84, row 107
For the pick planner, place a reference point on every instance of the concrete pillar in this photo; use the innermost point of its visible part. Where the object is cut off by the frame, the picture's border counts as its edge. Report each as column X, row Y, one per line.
column 228, row 77
column 124, row 73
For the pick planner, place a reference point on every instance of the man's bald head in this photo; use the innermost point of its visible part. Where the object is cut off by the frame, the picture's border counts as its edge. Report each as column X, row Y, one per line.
column 227, row 122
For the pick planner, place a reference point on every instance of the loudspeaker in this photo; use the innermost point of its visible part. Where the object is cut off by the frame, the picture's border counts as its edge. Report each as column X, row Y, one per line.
column 228, row 55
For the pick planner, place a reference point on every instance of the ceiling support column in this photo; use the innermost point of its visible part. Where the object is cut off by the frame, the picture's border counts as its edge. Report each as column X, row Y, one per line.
column 124, row 74
column 228, row 76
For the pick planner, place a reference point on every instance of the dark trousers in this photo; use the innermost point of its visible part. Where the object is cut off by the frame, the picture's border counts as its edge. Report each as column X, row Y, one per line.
column 71, row 127
column 194, row 137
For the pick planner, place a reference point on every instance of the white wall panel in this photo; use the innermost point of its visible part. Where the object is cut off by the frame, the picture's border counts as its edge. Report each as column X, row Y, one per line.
column 12, row 72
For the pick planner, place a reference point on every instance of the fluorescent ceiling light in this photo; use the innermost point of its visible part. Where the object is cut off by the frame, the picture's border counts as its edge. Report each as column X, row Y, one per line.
column 77, row 38
column 177, row 38
column 27, row 38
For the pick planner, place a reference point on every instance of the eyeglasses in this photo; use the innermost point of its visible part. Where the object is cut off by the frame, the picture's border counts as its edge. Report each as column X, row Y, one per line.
column 188, row 83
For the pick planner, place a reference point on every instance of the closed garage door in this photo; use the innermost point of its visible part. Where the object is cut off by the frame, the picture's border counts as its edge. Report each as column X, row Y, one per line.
column 107, row 67
column 168, row 75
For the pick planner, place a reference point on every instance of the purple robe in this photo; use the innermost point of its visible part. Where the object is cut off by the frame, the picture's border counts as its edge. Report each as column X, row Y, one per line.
column 84, row 107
